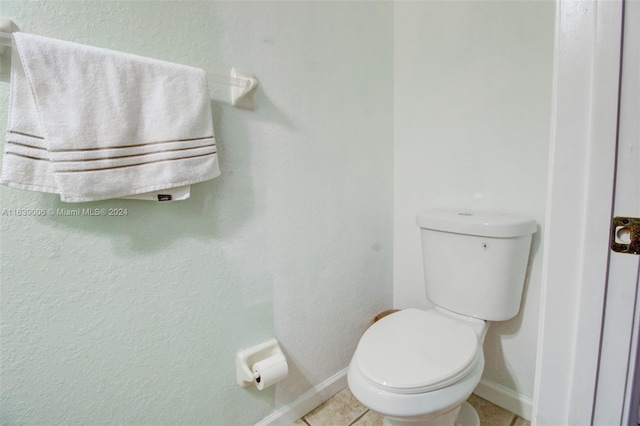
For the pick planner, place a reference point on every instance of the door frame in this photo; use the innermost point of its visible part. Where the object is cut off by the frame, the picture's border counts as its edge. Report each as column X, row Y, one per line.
column 617, row 396
column 579, row 209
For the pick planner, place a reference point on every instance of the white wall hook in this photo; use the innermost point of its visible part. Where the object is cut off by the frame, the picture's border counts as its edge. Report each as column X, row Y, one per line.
column 6, row 26
column 248, row 358
column 242, row 97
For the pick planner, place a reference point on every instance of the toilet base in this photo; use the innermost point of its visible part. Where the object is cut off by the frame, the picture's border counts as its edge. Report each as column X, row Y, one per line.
column 467, row 416
column 464, row 415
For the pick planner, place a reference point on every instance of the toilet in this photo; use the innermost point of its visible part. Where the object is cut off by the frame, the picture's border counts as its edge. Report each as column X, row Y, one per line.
column 418, row 367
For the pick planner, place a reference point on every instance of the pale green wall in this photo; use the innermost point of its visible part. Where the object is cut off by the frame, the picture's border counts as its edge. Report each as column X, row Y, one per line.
column 473, row 84
column 137, row 319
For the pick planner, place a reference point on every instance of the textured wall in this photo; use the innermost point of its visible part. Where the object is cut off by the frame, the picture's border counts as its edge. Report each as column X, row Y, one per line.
column 473, row 107
column 136, row 319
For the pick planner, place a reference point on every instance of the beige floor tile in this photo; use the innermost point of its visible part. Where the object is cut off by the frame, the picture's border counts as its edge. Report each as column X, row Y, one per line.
column 521, row 422
column 344, row 410
column 369, row 419
column 490, row 414
column 341, row 410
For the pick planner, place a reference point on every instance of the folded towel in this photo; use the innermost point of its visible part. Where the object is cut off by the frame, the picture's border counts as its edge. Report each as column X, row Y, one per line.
column 92, row 124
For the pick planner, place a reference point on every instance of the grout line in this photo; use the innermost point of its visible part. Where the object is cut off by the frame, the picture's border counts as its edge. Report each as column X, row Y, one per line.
column 305, row 421
column 513, row 420
column 358, row 418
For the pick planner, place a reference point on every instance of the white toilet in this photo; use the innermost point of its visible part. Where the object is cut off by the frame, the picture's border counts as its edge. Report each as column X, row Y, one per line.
column 418, row 367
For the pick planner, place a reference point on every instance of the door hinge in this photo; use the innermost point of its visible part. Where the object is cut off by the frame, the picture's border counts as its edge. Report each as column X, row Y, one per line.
column 625, row 235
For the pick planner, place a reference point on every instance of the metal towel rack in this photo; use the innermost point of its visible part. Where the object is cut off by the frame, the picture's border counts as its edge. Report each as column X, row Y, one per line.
column 243, row 85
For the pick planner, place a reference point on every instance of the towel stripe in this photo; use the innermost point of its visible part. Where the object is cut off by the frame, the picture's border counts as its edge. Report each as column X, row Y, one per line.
column 111, row 147
column 134, row 145
column 25, row 134
column 9, row 142
column 116, row 157
column 138, row 164
column 15, row 154
column 113, row 167
column 139, row 155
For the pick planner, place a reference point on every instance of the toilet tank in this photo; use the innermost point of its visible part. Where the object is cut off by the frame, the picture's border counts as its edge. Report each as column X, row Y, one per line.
column 475, row 264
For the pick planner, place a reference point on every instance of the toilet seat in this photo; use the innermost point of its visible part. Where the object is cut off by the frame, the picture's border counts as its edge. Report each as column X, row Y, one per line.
column 416, row 351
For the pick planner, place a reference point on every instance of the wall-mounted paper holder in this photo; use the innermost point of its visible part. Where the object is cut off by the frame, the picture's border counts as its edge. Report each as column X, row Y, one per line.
column 245, row 360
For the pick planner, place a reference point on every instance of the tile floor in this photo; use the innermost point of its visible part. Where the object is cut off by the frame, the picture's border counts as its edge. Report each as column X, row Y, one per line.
column 344, row 410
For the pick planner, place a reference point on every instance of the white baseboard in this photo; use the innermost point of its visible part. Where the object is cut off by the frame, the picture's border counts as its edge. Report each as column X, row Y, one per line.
column 505, row 398
column 291, row 412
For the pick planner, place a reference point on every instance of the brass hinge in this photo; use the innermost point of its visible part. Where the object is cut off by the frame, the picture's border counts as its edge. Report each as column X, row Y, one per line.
column 625, row 235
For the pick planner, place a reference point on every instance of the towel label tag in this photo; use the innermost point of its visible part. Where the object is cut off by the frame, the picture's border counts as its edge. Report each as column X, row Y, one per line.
column 164, row 197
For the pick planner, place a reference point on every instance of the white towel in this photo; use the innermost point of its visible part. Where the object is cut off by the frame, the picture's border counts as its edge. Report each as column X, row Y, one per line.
column 92, row 124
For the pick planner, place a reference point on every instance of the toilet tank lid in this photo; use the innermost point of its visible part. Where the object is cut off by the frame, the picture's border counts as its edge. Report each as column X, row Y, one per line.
column 481, row 224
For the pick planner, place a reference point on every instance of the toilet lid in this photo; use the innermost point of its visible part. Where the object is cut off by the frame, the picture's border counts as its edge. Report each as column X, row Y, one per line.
column 414, row 351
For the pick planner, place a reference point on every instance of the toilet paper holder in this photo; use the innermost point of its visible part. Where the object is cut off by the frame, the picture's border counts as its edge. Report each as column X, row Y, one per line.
column 246, row 358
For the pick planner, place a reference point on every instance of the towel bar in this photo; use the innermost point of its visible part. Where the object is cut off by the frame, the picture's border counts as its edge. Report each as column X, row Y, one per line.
column 6, row 39
column 243, row 85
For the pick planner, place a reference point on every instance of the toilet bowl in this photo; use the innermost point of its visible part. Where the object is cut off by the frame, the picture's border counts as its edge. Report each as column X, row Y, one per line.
column 419, row 367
